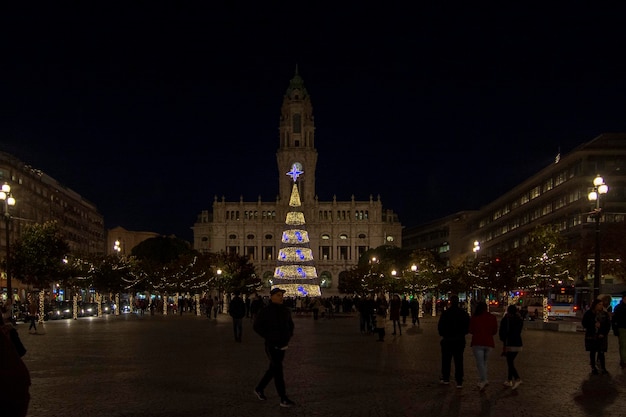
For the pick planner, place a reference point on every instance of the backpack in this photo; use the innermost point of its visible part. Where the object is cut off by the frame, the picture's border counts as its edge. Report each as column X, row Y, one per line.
column 14, row 376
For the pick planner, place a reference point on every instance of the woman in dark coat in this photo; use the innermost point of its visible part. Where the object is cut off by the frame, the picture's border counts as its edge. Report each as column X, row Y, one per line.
column 597, row 325
column 510, row 334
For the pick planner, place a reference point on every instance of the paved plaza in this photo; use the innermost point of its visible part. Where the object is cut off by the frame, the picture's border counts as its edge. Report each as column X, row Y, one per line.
column 171, row 366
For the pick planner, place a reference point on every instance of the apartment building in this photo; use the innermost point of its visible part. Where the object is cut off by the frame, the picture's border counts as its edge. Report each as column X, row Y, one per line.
column 40, row 198
column 558, row 194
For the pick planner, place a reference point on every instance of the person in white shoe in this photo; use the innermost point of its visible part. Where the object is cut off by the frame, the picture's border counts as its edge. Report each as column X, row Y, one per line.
column 510, row 334
column 483, row 326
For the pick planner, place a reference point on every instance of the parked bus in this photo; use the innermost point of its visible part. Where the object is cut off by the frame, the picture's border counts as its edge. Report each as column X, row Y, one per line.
column 561, row 302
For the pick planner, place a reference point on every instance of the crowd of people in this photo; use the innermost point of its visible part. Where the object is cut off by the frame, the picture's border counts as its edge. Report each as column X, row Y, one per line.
column 272, row 320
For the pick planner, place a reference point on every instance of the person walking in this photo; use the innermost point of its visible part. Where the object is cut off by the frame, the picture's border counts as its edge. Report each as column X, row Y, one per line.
column 510, row 334
column 217, row 306
column 209, row 307
column 274, row 324
column 414, row 307
column 329, row 308
column 619, row 329
column 453, row 325
column 315, row 307
column 483, row 326
column 404, row 309
column 255, row 306
column 360, row 308
column 32, row 316
column 597, row 325
column 395, row 305
column 369, row 313
column 237, row 310
column 381, row 317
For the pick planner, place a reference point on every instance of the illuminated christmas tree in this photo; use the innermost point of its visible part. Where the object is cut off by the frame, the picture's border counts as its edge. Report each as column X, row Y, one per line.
column 295, row 271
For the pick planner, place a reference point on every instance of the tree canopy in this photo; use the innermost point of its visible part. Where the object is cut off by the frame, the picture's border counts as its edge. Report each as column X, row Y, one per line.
column 37, row 257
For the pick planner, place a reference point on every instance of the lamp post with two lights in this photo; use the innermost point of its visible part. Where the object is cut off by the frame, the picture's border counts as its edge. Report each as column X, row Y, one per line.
column 599, row 188
column 420, row 295
column 9, row 201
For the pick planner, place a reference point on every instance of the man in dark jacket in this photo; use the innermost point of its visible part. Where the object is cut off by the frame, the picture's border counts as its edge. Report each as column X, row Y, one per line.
column 453, row 326
column 237, row 310
column 274, row 324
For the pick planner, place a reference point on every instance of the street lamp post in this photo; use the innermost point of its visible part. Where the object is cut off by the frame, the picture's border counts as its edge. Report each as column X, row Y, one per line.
column 117, row 247
column 219, row 291
column 5, row 196
column 599, row 187
column 420, row 297
column 476, row 249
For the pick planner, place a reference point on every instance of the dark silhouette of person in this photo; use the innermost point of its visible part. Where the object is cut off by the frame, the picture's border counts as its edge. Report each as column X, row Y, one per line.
column 597, row 324
column 275, row 325
column 237, row 310
column 414, row 307
column 453, row 325
column 395, row 305
column 510, row 333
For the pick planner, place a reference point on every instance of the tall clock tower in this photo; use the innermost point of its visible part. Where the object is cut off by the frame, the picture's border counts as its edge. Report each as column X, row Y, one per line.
column 297, row 142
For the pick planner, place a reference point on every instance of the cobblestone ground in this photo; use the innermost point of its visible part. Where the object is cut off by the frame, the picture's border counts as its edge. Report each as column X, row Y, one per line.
column 158, row 366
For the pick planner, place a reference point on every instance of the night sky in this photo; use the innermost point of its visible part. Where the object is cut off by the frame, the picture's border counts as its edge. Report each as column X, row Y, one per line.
column 150, row 112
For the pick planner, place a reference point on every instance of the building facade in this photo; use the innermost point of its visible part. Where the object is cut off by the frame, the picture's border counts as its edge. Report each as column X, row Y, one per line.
column 40, row 198
column 339, row 231
column 558, row 195
column 445, row 237
column 121, row 241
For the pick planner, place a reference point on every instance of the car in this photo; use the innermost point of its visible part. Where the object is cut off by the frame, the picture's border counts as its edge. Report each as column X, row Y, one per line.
column 87, row 309
column 19, row 313
column 61, row 310
column 108, row 307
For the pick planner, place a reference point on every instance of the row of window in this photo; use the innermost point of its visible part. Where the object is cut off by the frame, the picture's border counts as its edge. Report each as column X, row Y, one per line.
column 562, row 224
column 534, row 192
column 327, row 215
column 534, row 214
column 251, row 215
column 324, row 236
column 325, row 252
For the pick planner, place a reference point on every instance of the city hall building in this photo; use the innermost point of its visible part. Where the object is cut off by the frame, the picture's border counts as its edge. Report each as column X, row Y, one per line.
column 339, row 231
